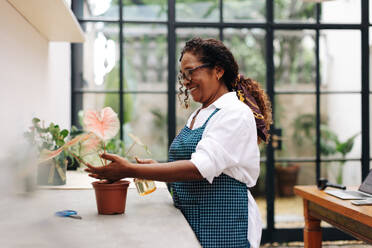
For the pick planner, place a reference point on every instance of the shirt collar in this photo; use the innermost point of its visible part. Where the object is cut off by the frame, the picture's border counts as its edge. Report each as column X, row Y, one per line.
column 225, row 100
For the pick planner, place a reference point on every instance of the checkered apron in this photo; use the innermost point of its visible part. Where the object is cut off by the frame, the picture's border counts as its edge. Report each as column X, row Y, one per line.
column 217, row 212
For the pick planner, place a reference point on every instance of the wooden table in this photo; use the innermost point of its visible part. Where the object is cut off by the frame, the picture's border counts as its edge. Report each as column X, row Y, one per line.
column 354, row 220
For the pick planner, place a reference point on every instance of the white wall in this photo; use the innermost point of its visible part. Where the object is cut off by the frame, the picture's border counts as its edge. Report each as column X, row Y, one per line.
column 34, row 78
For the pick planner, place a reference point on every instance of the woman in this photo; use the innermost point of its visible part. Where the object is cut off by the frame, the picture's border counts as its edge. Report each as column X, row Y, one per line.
column 215, row 158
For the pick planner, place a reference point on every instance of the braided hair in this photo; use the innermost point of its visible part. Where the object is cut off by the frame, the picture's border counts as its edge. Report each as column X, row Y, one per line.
column 215, row 53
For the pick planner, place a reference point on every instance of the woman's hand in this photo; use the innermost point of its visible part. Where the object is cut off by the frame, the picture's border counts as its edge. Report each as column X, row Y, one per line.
column 119, row 168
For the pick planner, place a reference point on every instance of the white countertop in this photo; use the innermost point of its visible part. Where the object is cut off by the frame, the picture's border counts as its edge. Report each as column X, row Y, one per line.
column 149, row 221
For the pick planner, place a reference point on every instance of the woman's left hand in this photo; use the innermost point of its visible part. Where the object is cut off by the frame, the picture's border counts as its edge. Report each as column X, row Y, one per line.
column 119, row 168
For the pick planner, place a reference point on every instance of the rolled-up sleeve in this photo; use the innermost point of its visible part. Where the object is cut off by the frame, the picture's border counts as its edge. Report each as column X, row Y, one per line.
column 229, row 142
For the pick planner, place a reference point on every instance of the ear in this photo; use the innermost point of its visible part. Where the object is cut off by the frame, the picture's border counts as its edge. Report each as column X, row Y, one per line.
column 219, row 72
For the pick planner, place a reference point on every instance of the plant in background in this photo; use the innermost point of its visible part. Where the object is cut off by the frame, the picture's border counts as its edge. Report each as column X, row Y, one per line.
column 42, row 137
column 101, row 128
column 333, row 145
column 330, row 144
column 50, row 137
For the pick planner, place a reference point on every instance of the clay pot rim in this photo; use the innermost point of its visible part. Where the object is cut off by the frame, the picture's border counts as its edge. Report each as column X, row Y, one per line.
column 117, row 184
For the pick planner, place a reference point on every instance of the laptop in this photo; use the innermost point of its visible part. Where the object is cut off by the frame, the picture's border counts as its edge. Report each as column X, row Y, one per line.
column 364, row 191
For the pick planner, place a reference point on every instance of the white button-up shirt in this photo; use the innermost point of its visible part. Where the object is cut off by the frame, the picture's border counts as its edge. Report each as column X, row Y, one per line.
column 229, row 145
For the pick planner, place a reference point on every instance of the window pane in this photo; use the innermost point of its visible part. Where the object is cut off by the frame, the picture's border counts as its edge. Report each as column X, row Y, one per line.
column 101, row 57
column 295, row 115
column 146, row 57
column 294, row 60
column 289, row 207
column 350, row 173
column 248, row 48
column 152, row 10
column 340, row 60
column 100, row 9
column 146, row 118
column 341, row 126
column 342, row 11
column 197, row 11
column 236, row 10
column 93, row 101
column 294, row 11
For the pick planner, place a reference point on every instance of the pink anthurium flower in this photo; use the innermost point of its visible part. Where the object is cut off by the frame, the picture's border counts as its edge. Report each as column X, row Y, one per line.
column 105, row 123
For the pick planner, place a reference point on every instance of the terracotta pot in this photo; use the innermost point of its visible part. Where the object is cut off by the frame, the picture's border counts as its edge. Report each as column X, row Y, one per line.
column 286, row 179
column 111, row 197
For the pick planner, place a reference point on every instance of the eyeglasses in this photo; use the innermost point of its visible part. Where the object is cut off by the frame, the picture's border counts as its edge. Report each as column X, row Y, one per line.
column 188, row 72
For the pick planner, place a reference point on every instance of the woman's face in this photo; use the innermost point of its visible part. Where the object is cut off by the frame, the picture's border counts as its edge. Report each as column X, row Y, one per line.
column 204, row 85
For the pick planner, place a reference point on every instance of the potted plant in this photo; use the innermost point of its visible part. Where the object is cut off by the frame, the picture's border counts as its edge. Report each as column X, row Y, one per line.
column 286, row 173
column 51, row 137
column 330, row 143
column 101, row 128
column 286, row 176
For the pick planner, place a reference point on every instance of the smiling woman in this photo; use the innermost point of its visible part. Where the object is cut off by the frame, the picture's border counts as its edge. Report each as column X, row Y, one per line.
column 214, row 160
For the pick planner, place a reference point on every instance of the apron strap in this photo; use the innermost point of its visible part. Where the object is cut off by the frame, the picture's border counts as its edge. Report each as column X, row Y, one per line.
column 206, row 122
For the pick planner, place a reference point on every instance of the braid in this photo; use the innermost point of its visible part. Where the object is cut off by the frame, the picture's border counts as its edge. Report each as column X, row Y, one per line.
column 250, row 92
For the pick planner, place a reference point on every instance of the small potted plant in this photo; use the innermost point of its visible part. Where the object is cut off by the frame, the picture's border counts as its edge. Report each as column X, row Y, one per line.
column 286, row 175
column 101, row 128
column 51, row 137
column 110, row 196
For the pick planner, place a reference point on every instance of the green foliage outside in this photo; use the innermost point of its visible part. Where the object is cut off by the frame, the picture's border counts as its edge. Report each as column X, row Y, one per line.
column 330, row 143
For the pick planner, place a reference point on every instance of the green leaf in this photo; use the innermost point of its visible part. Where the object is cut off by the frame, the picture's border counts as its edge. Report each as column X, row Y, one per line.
column 345, row 147
column 60, row 143
column 110, row 146
column 64, row 133
column 35, row 121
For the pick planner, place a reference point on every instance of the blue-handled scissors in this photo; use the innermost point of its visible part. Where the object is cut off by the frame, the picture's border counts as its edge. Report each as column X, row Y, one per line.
column 68, row 213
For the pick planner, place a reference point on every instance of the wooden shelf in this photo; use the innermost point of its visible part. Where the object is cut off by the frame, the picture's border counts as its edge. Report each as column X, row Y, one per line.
column 52, row 18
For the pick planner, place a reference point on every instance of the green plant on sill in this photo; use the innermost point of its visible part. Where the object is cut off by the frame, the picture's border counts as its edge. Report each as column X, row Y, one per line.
column 51, row 137
column 330, row 144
